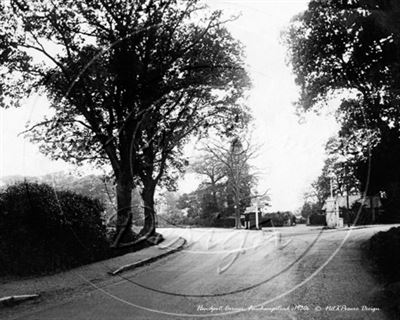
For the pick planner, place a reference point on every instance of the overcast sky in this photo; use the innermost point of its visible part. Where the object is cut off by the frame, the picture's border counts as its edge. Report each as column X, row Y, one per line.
column 292, row 153
column 293, row 148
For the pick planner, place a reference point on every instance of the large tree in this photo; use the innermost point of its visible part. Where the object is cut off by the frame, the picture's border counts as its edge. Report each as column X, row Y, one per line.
column 235, row 158
column 340, row 45
column 128, row 81
column 350, row 49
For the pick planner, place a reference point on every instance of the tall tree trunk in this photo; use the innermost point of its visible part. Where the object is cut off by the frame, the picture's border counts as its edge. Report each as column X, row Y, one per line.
column 214, row 195
column 149, row 227
column 124, row 207
column 237, row 212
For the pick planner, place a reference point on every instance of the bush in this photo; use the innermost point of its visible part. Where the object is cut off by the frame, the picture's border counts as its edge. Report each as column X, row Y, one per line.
column 358, row 214
column 278, row 219
column 42, row 230
column 318, row 220
column 385, row 248
column 225, row 223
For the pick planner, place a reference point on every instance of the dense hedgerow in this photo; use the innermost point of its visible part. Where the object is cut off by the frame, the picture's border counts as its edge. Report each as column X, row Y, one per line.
column 42, row 230
column 385, row 250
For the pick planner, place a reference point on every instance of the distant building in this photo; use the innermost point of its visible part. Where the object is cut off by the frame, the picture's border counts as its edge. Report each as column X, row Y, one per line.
column 341, row 202
column 335, row 209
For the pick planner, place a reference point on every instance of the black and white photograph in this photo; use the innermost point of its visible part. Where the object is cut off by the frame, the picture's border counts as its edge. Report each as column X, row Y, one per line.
column 199, row 159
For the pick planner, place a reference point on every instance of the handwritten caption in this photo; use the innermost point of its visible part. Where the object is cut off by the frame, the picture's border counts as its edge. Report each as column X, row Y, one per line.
column 298, row 308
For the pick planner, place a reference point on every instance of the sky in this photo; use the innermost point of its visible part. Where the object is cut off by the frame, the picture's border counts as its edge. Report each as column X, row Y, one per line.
column 292, row 151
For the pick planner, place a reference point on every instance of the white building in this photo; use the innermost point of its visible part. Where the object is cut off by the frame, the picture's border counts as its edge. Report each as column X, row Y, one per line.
column 333, row 206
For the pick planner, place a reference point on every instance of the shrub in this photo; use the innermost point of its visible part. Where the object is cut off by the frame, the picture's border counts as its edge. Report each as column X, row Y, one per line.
column 225, row 222
column 359, row 214
column 42, row 230
column 318, row 220
column 277, row 219
column 384, row 247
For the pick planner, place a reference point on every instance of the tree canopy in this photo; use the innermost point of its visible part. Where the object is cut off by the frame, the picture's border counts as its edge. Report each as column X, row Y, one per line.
column 235, row 160
column 337, row 45
column 225, row 189
column 128, row 81
column 349, row 50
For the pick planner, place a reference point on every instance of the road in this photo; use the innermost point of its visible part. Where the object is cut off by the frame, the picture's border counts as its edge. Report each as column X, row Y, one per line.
column 290, row 273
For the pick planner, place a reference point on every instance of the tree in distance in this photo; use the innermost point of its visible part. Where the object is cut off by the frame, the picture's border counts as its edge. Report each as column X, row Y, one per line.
column 215, row 174
column 225, row 178
column 235, row 161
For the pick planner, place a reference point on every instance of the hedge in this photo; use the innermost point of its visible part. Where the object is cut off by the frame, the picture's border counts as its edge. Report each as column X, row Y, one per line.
column 385, row 249
column 42, row 230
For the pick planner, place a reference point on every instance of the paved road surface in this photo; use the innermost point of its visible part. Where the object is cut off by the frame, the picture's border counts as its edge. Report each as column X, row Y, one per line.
column 298, row 273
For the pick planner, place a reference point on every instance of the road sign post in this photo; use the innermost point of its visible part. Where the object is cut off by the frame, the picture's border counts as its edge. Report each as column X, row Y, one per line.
column 257, row 222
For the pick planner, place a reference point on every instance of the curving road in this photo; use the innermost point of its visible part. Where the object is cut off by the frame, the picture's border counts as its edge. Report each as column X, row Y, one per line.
column 296, row 273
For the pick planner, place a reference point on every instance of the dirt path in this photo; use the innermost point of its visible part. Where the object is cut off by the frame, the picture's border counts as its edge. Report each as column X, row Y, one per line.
column 230, row 274
column 338, row 279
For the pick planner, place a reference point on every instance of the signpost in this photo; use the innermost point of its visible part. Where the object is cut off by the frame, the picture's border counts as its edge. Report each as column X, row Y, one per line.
column 257, row 205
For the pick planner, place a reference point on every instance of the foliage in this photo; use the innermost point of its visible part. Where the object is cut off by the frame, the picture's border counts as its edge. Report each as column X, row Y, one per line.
column 340, row 166
column 301, row 220
column 309, row 209
column 212, row 203
column 383, row 249
column 336, row 45
column 195, row 208
column 278, row 219
column 337, row 173
column 43, row 230
column 129, row 82
column 235, row 160
column 320, row 189
column 358, row 214
column 317, row 220
column 213, row 187
column 227, row 181
column 91, row 186
column 190, row 203
column 383, row 245
column 349, row 50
